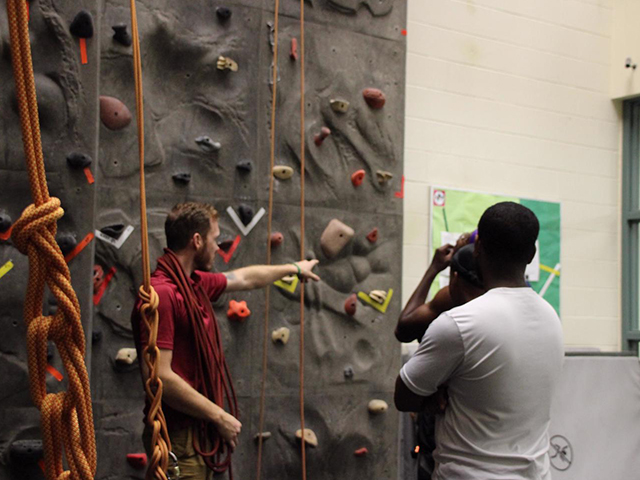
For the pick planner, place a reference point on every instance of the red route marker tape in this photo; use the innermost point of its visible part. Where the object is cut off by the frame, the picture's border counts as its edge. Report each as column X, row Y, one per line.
column 41, row 465
column 89, row 175
column 7, row 234
column 85, row 241
column 103, row 286
column 83, row 51
column 54, row 373
column 226, row 256
column 400, row 194
column 404, row 32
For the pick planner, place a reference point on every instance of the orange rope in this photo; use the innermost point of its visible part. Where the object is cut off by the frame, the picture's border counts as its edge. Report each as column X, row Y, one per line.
column 265, row 341
column 66, row 417
column 160, row 441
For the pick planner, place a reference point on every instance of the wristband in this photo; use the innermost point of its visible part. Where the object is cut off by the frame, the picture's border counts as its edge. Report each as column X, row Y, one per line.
column 298, row 267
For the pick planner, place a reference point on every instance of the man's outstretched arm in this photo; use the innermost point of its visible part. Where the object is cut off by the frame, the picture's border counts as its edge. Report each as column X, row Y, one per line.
column 258, row 276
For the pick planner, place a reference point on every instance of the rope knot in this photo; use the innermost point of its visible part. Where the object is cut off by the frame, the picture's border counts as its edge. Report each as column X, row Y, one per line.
column 36, row 221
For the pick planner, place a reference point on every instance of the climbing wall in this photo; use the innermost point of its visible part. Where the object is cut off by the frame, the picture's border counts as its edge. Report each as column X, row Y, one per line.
column 68, row 108
column 207, row 139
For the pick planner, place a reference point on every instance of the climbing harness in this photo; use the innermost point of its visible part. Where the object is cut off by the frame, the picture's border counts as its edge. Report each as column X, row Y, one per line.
column 160, row 442
column 66, row 417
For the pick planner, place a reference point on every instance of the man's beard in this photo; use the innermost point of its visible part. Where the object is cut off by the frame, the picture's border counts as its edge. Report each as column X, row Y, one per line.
column 201, row 261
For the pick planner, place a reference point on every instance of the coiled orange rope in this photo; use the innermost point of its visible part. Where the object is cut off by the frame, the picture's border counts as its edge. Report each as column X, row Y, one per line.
column 66, row 417
column 160, row 442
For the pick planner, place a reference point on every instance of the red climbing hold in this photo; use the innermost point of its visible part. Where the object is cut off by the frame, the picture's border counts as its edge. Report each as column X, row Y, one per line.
column 319, row 138
column 276, row 239
column 361, row 452
column 357, row 178
column 98, row 277
column 238, row 311
column 374, row 98
column 137, row 460
column 373, row 236
column 294, row 49
column 114, row 114
column 351, row 305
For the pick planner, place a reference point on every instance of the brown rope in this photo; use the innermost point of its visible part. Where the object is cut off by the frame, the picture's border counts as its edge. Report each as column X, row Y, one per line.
column 160, row 442
column 66, row 417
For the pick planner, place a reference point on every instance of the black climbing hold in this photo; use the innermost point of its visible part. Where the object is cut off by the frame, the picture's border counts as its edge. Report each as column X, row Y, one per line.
column 96, row 336
column 245, row 166
column 121, row 35
column 78, row 160
column 223, row 13
column 348, row 372
column 114, row 231
column 82, row 25
column 50, row 352
column 26, row 452
column 5, row 222
column 246, row 214
column 67, row 242
column 183, row 178
column 225, row 243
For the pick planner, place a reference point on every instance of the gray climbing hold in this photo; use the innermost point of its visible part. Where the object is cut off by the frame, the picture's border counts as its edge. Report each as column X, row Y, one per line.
column 208, row 145
column 113, row 113
column 78, row 160
column 182, row 178
column 26, row 452
column 281, row 335
column 282, row 172
column 310, row 437
column 96, row 336
column 245, row 166
column 335, row 237
column 225, row 63
column 223, row 13
column 339, row 106
column 82, row 25
column 5, row 222
column 245, row 212
column 348, row 372
column 383, row 177
column 67, row 242
column 377, row 407
column 114, row 231
column 121, row 35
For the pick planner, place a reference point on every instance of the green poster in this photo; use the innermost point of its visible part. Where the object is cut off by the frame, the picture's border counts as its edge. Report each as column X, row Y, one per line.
column 454, row 212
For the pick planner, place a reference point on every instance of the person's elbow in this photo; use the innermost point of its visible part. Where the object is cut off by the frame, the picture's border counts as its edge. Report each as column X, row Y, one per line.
column 403, row 398
column 402, row 334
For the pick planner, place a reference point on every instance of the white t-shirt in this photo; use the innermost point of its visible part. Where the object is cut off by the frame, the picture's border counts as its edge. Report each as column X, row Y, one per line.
column 500, row 356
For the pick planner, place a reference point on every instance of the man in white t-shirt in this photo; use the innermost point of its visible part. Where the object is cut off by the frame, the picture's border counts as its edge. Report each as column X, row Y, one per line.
column 500, row 358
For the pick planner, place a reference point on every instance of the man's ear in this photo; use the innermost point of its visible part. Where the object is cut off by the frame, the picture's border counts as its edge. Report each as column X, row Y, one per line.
column 197, row 240
column 532, row 254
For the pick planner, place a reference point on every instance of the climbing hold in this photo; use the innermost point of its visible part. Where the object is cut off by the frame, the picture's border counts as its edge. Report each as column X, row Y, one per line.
column 309, row 437
column 225, row 244
column 276, row 239
column 137, row 460
column 238, row 311
column 361, row 452
column 78, row 160
column 281, row 335
column 351, row 304
column 26, row 452
column 114, row 231
column 264, row 435
column 293, row 53
column 377, row 406
column 357, row 177
column 246, row 214
column 67, row 242
column 378, row 295
column 207, row 144
column 82, row 25
column 121, row 35
column 282, row 172
column 98, row 277
column 184, row 178
column 5, row 222
column 374, row 98
column 225, row 63
column 335, row 237
column 339, row 106
column 126, row 356
column 319, row 138
column 383, row 177
column 348, row 372
column 223, row 13
column 289, row 279
column 114, row 114
column 96, row 336
column 245, row 166
column 372, row 236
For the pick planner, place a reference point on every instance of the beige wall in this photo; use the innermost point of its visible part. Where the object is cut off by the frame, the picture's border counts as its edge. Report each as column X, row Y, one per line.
column 625, row 82
column 513, row 97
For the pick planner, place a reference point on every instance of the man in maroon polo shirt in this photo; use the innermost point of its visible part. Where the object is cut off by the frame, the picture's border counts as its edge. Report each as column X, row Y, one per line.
column 191, row 364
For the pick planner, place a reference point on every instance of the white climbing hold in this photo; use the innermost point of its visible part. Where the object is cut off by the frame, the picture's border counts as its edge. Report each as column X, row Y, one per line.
column 281, row 335
column 264, row 435
column 289, row 279
column 377, row 406
column 282, row 172
column 225, row 63
column 309, row 437
column 126, row 356
column 207, row 144
column 383, row 177
column 378, row 295
column 340, row 106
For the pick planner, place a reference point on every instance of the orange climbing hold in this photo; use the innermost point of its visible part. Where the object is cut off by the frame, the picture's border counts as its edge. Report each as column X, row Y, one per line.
column 361, row 452
column 357, row 178
column 238, row 311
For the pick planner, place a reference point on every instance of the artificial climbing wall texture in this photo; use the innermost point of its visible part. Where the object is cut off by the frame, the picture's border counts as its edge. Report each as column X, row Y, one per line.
column 68, row 107
column 350, row 45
